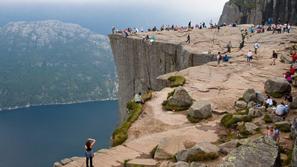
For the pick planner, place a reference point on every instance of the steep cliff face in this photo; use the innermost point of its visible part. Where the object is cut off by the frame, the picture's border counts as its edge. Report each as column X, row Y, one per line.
column 139, row 63
column 258, row 11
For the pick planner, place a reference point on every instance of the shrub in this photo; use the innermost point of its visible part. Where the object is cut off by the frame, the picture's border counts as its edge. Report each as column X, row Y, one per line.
column 168, row 107
column 202, row 157
column 147, row 96
column 228, row 120
column 170, row 94
column 176, row 81
column 120, row 135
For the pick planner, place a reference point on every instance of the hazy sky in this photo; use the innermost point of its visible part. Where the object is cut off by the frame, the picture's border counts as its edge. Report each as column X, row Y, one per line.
column 101, row 15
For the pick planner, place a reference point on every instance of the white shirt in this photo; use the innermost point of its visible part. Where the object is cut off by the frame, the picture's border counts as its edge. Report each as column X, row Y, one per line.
column 137, row 98
column 257, row 45
column 269, row 102
column 250, row 54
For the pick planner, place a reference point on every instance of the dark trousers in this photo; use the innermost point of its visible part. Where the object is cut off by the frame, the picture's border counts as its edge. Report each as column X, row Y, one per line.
column 91, row 162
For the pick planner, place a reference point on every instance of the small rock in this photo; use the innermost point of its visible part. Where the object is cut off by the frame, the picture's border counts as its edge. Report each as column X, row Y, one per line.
column 251, row 127
column 256, row 112
column 142, row 163
column 197, row 164
column 57, row 164
column 260, row 97
column 206, row 151
column 250, row 95
column 251, row 104
column 65, row 161
column 200, row 110
column 277, row 87
column 283, row 126
column 240, row 105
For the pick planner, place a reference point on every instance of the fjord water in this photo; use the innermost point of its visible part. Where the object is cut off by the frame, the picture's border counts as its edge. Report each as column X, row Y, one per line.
column 39, row 136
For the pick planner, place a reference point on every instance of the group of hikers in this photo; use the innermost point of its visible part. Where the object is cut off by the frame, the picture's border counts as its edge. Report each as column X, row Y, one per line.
column 289, row 75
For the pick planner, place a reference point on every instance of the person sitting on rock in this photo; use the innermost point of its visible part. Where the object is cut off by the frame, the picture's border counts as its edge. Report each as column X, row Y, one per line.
column 268, row 102
column 138, row 98
column 226, row 58
column 288, row 98
column 292, row 70
column 282, row 109
column 89, row 152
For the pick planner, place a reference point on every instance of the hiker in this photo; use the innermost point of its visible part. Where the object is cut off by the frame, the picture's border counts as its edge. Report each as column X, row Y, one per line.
column 276, row 135
column 282, row 109
column 138, row 98
column 188, row 39
column 113, row 29
column 190, row 25
column 89, row 151
column 229, row 46
column 268, row 102
column 249, row 56
column 274, row 57
column 219, row 27
column 292, row 70
column 288, row 28
column 288, row 98
column 269, row 131
column 219, row 58
column 294, row 57
column 256, row 47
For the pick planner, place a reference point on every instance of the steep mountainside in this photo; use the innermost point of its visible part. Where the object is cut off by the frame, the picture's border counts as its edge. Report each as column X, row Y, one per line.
column 258, row 11
column 50, row 62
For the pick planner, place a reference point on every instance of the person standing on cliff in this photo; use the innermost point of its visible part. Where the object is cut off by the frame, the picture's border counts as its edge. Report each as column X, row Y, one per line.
column 188, row 39
column 219, row 58
column 256, row 47
column 89, row 151
column 190, row 25
column 229, row 46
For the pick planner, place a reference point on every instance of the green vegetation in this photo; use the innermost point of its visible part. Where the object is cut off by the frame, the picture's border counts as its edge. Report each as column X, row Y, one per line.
column 170, row 94
column 202, row 156
column 193, row 120
column 120, row 135
column 276, row 95
column 147, row 96
column 176, row 81
column 231, row 120
column 242, row 131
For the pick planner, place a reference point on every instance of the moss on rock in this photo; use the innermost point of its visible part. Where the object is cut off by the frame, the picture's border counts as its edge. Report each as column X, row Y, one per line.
column 176, row 81
column 267, row 118
column 202, row 156
column 120, row 135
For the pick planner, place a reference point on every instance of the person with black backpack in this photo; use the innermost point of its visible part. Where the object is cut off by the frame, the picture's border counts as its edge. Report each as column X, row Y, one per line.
column 274, row 57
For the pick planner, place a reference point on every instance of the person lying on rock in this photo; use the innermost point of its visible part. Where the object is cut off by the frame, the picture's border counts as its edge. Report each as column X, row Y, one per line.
column 282, row 109
column 89, row 152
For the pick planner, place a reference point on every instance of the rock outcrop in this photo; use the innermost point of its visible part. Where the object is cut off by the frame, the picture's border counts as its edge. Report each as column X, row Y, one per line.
column 262, row 152
column 277, row 87
column 200, row 110
column 258, row 11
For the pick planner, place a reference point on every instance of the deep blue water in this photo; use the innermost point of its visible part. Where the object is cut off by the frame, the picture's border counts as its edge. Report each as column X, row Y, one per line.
column 39, row 136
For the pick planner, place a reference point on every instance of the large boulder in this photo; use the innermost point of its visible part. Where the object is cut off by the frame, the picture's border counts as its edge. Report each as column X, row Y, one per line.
column 277, row 87
column 250, row 95
column 200, row 152
column 199, row 110
column 262, row 152
column 168, row 147
column 179, row 101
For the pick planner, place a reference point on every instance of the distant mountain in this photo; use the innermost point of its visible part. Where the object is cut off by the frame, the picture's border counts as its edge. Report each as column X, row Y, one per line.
column 49, row 62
